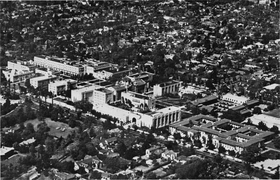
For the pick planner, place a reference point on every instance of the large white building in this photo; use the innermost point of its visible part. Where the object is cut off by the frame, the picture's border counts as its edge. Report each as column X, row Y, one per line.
column 102, row 96
column 58, row 87
column 59, row 64
column 19, row 71
column 84, row 93
column 21, row 65
column 165, row 116
column 42, row 81
column 157, row 119
column 239, row 100
column 167, row 87
column 139, row 101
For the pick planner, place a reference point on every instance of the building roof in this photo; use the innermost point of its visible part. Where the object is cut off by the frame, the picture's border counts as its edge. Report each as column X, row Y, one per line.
column 271, row 86
column 4, row 150
column 235, row 97
column 107, row 91
column 28, row 141
column 205, row 99
column 237, row 108
column 41, row 78
column 165, row 110
column 251, row 102
column 168, row 83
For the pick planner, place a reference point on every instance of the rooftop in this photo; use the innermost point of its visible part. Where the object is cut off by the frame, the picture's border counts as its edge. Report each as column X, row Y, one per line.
column 4, row 150
column 104, row 90
column 41, row 78
column 271, row 86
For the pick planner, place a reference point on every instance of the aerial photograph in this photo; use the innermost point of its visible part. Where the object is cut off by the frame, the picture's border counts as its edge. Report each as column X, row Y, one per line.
column 140, row 89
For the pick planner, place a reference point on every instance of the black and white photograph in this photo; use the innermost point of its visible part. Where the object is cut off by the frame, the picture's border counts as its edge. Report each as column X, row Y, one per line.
column 139, row 89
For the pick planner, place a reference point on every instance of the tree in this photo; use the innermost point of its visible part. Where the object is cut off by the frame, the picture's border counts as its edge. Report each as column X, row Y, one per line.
column 250, row 154
column 276, row 142
column 95, row 175
column 121, row 148
column 222, row 150
column 210, row 144
column 257, row 110
column 274, row 129
column 233, row 115
column 262, row 126
column 151, row 175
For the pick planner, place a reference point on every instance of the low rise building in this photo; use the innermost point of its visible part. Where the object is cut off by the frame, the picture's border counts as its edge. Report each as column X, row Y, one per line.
column 231, row 135
column 166, row 88
column 58, row 87
column 42, row 81
column 102, row 96
column 137, row 100
column 59, row 64
column 84, row 93
column 238, row 100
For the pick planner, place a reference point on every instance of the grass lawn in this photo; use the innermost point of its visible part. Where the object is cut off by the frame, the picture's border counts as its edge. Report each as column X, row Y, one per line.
column 53, row 125
column 274, row 113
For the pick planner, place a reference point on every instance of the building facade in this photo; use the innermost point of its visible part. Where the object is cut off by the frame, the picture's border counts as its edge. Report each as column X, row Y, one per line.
column 137, row 100
column 59, row 64
column 42, row 82
column 239, row 100
column 102, row 96
column 58, row 87
column 170, row 87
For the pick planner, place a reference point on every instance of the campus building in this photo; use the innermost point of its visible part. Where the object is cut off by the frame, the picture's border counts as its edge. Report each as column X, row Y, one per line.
column 166, row 116
column 84, row 93
column 157, row 119
column 59, row 64
column 238, row 100
column 166, row 88
column 58, row 87
column 137, row 100
column 19, row 71
column 102, row 96
column 21, row 65
column 42, row 81
column 231, row 135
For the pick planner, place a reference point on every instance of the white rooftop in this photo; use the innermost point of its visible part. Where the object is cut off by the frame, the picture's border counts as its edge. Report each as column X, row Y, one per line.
column 28, row 141
column 166, row 110
column 41, row 78
column 235, row 97
column 4, row 150
column 271, row 86
column 268, row 120
column 268, row 164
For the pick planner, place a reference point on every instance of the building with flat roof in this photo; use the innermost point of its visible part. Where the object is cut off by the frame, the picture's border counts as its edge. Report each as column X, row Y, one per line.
column 84, row 93
column 270, row 121
column 271, row 86
column 42, row 81
column 58, row 87
column 157, row 119
column 165, row 116
column 238, row 100
column 21, row 65
column 166, row 88
column 59, row 64
column 6, row 152
column 231, row 135
column 102, row 96
column 137, row 100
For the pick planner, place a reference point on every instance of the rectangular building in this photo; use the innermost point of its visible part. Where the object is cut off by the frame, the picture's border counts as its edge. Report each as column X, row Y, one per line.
column 42, row 82
column 166, row 88
column 102, row 96
column 139, row 101
column 238, row 100
column 59, row 64
column 58, row 87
